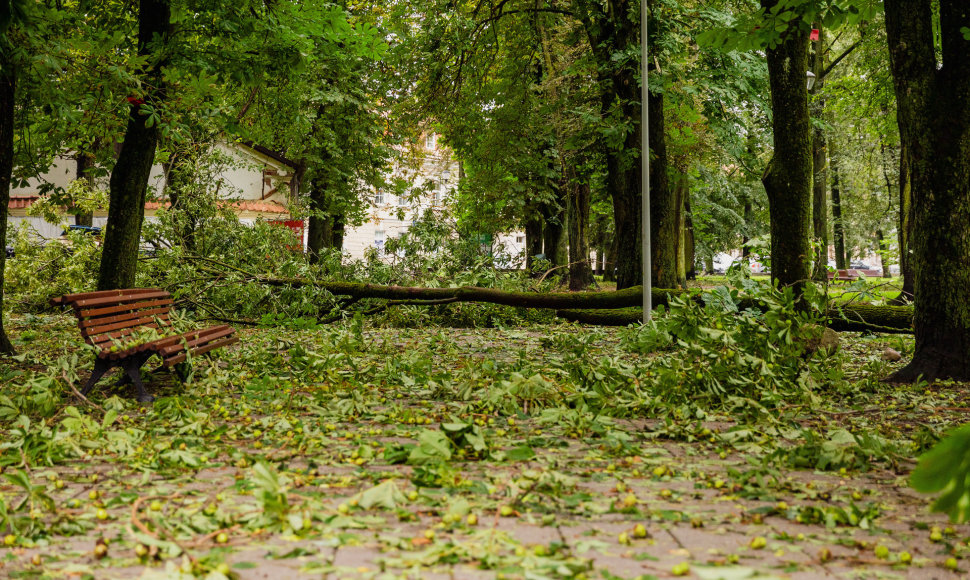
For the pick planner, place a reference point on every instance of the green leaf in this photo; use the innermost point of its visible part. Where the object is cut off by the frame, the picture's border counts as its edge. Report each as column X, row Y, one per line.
column 432, row 446
column 383, row 495
column 946, row 468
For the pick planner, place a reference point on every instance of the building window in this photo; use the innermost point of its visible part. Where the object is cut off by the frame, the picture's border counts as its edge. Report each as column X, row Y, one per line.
column 519, row 239
column 379, row 242
column 379, row 197
column 431, row 141
column 402, row 201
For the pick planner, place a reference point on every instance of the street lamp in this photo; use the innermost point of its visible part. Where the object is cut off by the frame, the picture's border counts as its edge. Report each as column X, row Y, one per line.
column 645, row 166
column 811, row 79
column 446, row 175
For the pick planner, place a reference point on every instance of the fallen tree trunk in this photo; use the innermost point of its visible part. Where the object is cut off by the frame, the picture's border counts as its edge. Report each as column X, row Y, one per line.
column 618, row 308
column 849, row 318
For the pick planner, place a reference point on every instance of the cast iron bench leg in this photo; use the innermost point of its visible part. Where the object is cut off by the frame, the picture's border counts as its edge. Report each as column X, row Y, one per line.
column 125, row 379
column 101, row 366
column 132, row 366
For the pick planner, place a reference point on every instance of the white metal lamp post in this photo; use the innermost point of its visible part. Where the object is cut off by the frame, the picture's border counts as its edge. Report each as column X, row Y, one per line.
column 645, row 166
column 811, row 79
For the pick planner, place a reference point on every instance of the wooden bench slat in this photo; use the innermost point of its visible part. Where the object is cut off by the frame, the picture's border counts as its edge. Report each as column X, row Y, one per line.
column 141, row 296
column 189, row 336
column 69, row 298
column 201, row 350
column 134, row 322
column 119, row 335
column 96, row 312
column 155, row 345
column 202, row 338
column 103, row 320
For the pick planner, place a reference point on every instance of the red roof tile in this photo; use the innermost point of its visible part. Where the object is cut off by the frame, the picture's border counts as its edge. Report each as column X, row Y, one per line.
column 241, row 205
column 22, row 202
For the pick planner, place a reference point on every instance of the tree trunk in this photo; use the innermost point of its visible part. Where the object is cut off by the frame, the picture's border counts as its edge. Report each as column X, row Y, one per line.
column 554, row 228
column 838, row 225
column 883, row 245
column 664, row 203
column 8, row 93
column 533, row 240
column 905, row 229
column 748, row 220
column 933, row 111
column 129, row 178
column 709, row 264
column 580, row 272
column 623, row 184
column 690, row 244
column 820, row 226
column 177, row 187
column 680, row 241
column 788, row 177
column 609, row 263
column 83, row 162
column 339, row 229
column 320, row 231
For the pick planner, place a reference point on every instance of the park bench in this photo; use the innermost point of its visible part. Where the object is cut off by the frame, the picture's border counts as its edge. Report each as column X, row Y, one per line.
column 844, row 276
column 115, row 323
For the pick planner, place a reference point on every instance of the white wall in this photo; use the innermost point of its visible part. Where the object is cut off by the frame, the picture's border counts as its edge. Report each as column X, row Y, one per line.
column 244, row 176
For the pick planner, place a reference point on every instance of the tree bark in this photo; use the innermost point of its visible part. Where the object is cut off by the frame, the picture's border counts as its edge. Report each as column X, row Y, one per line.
column 788, row 177
column 554, row 226
column 578, row 200
column 933, row 112
column 533, row 239
column 748, row 220
column 609, row 262
column 883, row 245
column 690, row 242
column 8, row 93
column 838, row 225
column 664, row 203
column 320, row 231
column 905, row 229
column 679, row 278
column 819, row 166
column 83, row 162
column 129, row 178
column 339, row 229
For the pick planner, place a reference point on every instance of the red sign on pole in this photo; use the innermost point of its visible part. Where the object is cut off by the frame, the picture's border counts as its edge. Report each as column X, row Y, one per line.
column 814, row 36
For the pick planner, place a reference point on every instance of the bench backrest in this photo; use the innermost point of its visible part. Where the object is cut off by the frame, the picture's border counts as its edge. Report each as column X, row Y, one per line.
column 114, row 314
